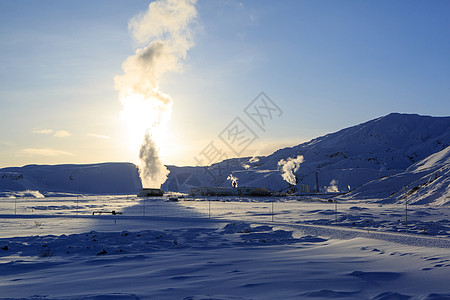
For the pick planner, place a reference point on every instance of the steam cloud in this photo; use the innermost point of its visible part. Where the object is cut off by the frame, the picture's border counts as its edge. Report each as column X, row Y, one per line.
column 288, row 167
column 152, row 168
column 333, row 188
column 234, row 180
column 163, row 35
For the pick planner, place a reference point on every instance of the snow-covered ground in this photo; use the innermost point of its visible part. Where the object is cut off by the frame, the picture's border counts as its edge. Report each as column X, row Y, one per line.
column 221, row 248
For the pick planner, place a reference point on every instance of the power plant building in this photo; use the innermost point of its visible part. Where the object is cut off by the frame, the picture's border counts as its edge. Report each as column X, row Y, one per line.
column 222, row 191
column 148, row 192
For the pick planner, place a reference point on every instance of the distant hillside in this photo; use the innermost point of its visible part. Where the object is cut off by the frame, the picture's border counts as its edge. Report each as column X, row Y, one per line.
column 374, row 160
column 103, row 178
column 427, row 181
column 344, row 160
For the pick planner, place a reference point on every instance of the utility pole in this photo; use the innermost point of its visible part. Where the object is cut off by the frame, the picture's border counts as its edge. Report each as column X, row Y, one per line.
column 317, row 181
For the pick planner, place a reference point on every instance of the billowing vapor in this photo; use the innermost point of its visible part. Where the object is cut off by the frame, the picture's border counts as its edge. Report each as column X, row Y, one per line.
column 152, row 171
column 288, row 167
column 233, row 179
column 333, row 188
column 164, row 36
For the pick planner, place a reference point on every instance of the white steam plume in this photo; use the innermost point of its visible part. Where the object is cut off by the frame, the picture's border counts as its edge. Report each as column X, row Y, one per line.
column 288, row 167
column 164, row 36
column 333, row 188
column 234, row 180
column 152, row 169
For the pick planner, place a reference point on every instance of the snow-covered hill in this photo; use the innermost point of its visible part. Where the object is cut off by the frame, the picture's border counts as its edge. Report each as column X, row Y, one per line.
column 343, row 160
column 104, row 178
column 427, row 181
column 396, row 148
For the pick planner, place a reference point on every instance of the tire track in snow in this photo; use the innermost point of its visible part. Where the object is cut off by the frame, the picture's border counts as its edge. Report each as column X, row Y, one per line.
column 350, row 233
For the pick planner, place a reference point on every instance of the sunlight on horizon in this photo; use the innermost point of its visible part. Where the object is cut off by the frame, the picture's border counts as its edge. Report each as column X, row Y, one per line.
column 141, row 115
column 64, row 64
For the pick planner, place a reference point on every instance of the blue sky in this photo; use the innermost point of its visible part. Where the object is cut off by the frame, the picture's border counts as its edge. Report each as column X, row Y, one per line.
column 326, row 64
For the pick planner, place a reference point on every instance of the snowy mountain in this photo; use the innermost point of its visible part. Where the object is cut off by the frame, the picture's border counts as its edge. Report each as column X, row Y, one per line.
column 343, row 160
column 104, row 178
column 427, row 181
column 373, row 160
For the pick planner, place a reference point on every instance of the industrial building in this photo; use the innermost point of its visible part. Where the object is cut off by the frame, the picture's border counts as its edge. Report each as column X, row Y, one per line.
column 147, row 192
column 222, row 191
column 303, row 189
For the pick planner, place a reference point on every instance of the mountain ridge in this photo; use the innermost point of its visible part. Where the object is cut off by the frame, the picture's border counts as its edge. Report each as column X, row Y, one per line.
column 424, row 182
column 349, row 160
column 100, row 178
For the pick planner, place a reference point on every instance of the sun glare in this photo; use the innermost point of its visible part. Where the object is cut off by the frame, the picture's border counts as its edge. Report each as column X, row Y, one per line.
column 141, row 115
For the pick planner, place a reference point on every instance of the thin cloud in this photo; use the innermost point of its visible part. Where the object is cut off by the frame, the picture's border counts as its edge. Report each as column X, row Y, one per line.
column 61, row 133
column 6, row 143
column 98, row 136
column 43, row 131
column 44, row 152
column 55, row 133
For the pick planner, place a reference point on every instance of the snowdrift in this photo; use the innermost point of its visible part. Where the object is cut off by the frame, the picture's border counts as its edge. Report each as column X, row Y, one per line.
column 103, row 178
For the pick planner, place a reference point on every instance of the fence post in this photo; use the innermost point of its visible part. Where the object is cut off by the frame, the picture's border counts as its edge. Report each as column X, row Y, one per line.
column 406, row 213
column 406, row 210
column 272, row 210
column 335, row 212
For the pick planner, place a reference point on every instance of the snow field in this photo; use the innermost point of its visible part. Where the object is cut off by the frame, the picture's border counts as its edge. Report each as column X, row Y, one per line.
column 425, row 220
column 420, row 219
column 176, row 251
